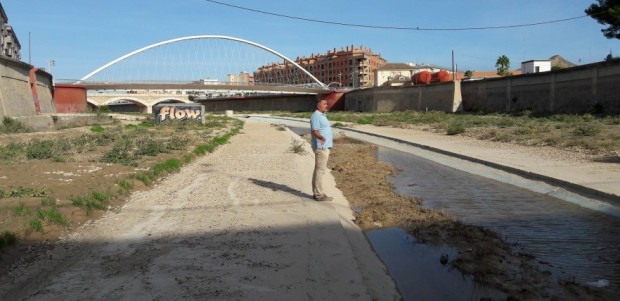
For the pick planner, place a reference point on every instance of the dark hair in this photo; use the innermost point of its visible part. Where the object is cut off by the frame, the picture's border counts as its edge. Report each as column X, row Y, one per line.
column 318, row 101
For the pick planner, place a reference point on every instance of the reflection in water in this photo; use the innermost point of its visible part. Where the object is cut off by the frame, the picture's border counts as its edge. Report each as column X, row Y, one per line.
column 566, row 239
column 418, row 271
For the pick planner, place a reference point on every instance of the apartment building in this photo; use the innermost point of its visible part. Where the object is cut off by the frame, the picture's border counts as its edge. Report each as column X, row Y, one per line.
column 9, row 44
column 349, row 67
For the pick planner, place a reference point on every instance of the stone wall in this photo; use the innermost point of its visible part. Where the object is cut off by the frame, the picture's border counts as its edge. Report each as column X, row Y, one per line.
column 16, row 97
column 592, row 88
column 444, row 97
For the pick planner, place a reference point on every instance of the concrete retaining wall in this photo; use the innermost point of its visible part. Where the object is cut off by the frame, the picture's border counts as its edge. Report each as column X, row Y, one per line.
column 16, row 97
column 438, row 97
column 290, row 103
column 592, row 88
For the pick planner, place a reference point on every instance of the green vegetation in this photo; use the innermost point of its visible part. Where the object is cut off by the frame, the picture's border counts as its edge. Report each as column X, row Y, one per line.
column 592, row 133
column 96, row 128
column 7, row 238
column 16, row 192
column 95, row 200
column 131, row 145
column 607, row 13
column 503, row 66
column 10, row 125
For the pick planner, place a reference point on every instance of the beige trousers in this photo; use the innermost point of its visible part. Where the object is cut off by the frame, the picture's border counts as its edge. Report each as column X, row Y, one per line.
column 320, row 167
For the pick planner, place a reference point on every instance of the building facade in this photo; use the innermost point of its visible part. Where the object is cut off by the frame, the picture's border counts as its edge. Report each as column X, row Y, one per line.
column 535, row 66
column 9, row 44
column 400, row 74
column 349, row 67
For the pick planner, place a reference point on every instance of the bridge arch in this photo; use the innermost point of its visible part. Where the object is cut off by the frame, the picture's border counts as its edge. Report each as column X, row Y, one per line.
column 171, row 99
column 202, row 37
column 130, row 99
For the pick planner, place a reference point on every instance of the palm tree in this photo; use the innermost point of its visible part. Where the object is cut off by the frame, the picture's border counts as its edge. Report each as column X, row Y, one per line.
column 502, row 65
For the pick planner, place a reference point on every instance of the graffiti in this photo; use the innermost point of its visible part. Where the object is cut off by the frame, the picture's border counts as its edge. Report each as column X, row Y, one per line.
column 178, row 113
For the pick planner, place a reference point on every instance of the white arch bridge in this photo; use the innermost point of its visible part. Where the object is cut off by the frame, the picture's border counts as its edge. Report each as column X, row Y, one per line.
column 196, row 68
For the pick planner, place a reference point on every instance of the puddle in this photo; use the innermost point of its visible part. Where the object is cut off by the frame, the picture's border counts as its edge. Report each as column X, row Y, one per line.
column 418, row 272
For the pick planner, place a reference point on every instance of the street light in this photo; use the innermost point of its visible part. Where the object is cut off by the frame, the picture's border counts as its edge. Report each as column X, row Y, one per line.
column 339, row 79
column 50, row 63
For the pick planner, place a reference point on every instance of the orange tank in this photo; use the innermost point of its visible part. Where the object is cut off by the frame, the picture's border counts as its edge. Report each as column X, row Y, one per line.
column 421, row 78
column 440, row 77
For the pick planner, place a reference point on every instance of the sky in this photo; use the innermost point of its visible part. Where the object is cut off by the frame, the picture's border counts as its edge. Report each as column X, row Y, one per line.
column 82, row 35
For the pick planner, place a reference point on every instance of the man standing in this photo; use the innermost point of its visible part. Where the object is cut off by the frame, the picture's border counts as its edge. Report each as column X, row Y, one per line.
column 322, row 141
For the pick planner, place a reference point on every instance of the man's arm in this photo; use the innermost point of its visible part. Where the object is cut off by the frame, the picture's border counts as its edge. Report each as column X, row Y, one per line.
column 318, row 135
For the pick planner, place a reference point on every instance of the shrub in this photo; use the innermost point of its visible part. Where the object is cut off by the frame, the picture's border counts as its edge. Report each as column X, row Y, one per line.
column 120, row 153
column 10, row 125
column 13, row 151
column 455, row 128
column 297, row 146
column 148, row 146
column 177, row 143
column 41, row 149
column 587, row 129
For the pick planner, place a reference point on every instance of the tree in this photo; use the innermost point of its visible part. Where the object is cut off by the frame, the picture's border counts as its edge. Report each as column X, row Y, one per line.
column 607, row 12
column 469, row 73
column 502, row 65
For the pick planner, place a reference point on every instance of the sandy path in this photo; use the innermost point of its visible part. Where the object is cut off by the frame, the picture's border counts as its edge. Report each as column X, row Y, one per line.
column 239, row 223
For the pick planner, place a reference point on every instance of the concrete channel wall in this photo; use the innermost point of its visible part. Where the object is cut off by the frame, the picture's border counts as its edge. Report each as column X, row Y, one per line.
column 444, row 97
column 16, row 96
column 592, row 88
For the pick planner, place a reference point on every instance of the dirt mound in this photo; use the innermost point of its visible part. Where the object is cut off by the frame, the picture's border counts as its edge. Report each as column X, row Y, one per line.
column 559, row 61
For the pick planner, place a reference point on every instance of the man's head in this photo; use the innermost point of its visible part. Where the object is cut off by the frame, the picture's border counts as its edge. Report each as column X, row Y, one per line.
column 321, row 105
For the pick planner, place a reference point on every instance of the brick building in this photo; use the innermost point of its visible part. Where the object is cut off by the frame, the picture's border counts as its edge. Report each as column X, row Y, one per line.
column 9, row 44
column 350, row 67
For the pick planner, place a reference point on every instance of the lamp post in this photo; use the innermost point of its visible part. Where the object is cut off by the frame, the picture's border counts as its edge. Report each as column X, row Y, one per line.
column 339, row 79
column 50, row 63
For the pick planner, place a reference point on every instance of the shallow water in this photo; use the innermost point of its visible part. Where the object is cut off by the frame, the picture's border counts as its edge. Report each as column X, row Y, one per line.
column 570, row 241
column 418, row 272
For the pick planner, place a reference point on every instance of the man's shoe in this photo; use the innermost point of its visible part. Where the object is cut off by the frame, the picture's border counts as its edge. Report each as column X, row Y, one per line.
column 324, row 199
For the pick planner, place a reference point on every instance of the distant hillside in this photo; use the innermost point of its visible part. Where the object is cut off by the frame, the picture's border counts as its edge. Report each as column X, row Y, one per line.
column 559, row 61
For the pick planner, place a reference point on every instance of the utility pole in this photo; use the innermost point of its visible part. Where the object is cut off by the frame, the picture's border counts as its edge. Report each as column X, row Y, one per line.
column 453, row 68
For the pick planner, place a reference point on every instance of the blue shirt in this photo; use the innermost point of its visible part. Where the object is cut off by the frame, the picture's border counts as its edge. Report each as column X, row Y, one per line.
column 319, row 122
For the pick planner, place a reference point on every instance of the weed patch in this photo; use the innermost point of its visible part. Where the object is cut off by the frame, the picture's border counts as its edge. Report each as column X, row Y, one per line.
column 36, row 225
column 297, row 147
column 455, row 128
column 587, row 129
column 7, row 238
column 15, row 192
column 169, row 166
column 10, row 125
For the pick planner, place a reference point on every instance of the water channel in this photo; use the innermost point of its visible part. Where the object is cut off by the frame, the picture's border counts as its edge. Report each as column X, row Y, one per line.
column 568, row 240
column 571, row 242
